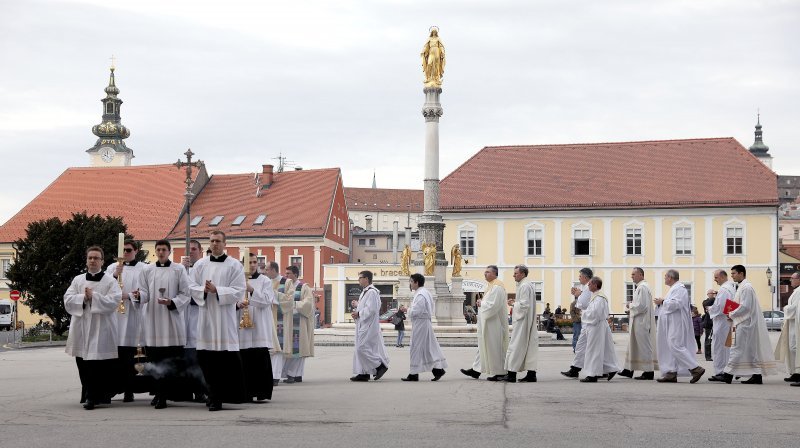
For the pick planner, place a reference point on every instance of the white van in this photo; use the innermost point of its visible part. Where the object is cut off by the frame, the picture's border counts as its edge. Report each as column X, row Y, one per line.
column 6, row 308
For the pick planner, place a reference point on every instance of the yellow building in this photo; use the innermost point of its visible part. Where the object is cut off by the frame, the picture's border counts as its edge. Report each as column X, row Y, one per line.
column 691, row 205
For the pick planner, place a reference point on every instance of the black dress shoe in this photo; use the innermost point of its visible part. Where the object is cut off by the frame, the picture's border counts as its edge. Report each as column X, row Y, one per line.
column 276, row 382
column 380, row 371
column 215, row 406
column 589, row 379
column 298, row 379
column 200, row 398
column 755, row 379
column 572, row 372
column 161, row 403
column 718, row 378
column 795, row 384
column 128, row 397
column 437, row 373
column 727, row 378
column 89, row 405
column 471, row 372
column 529, row 378
column 496, row 378
column 626, row 373
column 611, row 375
column 511, row 377
column 289, row 380
column 793, row 378
column 646, row 376
column 361, row 378
column 410, row 377
column 154, row 401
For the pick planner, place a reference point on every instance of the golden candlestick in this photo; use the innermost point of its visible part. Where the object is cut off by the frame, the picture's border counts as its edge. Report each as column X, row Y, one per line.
column 121, row 307
column 246, row 321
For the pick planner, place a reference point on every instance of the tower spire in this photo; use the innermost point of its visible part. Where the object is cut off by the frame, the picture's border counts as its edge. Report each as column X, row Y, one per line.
column 758, row 148
column 374, row 184
column 110, row 149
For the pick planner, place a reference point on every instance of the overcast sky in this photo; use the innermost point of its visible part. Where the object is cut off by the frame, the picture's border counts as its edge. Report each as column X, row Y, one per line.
column 339, row 83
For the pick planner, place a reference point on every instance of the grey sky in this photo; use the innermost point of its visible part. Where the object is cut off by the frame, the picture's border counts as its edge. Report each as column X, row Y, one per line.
column 339, row 83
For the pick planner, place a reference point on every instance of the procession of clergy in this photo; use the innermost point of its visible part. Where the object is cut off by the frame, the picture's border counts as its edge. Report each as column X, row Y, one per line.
column 187, row 319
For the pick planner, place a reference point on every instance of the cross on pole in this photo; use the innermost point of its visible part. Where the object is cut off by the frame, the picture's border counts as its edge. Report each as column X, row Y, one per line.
column 188, row 164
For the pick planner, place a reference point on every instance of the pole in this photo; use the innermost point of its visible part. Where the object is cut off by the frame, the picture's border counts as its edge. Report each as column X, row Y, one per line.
column 189, row 184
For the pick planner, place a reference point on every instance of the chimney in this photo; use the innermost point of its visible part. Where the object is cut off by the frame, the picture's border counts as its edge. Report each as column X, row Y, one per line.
column 368, row 218
column 266, row 170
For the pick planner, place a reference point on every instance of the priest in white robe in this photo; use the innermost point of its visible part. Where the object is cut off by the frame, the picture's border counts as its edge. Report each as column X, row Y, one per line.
column 600, row 360
column 255, row 342
column 641, row 354
column 297, row 312
column 272, row 271
column 218, row 285
column 191, row 314
column 129, row 324
column 165, row 295
column 751, row 352
column 523, row 350
column 492, row 330
column 91, row 301
column 369, row 357
column 426, row 354
column 582, row 296
column 786, row 350
column 721, row 326
column 676, row 345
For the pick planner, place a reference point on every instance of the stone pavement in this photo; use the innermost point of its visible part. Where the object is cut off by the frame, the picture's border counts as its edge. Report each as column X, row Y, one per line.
column 39, row 392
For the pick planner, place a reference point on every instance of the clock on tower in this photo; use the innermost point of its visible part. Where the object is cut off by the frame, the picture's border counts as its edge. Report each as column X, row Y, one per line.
column 110, row 149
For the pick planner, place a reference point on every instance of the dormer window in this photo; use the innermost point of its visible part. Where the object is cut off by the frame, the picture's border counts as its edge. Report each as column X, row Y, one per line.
column 196, row 220
column 260, row 220
column 217, row 219
column 239, row 219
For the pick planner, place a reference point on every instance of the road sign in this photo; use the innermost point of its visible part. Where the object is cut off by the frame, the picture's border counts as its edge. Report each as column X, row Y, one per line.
column 13, row 295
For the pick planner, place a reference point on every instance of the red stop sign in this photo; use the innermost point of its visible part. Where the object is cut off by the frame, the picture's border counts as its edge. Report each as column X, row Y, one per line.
column 14, row 295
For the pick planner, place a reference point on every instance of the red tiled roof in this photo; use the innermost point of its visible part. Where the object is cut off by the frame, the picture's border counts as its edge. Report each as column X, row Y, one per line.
column 384, row 199
column 149, row 199
column 298, row 203
column 650, row 174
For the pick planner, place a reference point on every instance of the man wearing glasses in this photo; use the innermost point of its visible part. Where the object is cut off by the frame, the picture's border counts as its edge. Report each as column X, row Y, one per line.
column 128, row 324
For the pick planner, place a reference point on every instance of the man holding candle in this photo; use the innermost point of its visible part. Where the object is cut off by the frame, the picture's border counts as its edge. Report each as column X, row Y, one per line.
column 218, row 284
column 130, row 322
column 191, row 314
column 255, row 342
column 165, row 290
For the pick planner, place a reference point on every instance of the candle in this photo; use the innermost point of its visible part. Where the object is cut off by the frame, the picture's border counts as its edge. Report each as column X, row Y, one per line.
column 246, row 259
column 121, row 247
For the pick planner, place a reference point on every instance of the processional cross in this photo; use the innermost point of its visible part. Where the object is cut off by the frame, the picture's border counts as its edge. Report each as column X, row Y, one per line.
column 188, row 164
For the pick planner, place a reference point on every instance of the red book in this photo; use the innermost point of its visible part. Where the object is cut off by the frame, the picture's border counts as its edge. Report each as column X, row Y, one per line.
column 730, row 305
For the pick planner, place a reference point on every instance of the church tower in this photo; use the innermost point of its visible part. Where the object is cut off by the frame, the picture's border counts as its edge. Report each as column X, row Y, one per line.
column 759, row 149
column 110, row 149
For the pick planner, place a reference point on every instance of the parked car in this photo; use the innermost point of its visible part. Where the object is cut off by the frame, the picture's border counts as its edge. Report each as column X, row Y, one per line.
column 386, row 318
column 774, row 319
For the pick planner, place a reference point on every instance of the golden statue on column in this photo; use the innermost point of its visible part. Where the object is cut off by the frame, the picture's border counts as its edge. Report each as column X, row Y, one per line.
column 433, row 59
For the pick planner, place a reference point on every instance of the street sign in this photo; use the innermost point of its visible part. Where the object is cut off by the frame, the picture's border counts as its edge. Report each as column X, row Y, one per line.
column 13, row 295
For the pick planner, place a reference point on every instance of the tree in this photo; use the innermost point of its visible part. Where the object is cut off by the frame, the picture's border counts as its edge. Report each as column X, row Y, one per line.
column 53, row 253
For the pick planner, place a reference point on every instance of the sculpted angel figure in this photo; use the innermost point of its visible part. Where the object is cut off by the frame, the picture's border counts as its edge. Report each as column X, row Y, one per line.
column 405, row 261
column 455, row 257
column 429, row 252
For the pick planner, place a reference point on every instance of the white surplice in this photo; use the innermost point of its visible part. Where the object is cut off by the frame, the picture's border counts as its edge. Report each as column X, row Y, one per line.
column 426, row 354
column 582, row 303
column 93, row 328
column 369, row 350
column 641, row 354
column 786, row 350
column 600, row 357
column 493, row 330
column 523, row 350
column 676, row 345
column 217, row 325
column 129, row 325
column 164, row 327
column 751, row 352
column 261, row 300
column 720, row 326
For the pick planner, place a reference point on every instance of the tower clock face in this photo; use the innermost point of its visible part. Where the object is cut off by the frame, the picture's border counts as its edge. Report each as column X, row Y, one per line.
column 107, row 154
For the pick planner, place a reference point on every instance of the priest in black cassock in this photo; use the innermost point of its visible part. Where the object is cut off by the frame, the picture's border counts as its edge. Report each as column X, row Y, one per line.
column 218, row 285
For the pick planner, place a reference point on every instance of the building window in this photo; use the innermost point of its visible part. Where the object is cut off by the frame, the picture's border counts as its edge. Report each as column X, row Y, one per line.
column 683, row 241
column 534, row 242
column 629, row 289
column 362, row 241
column 196, row 220
column 239, row 220
column 797, row 234
column 217, row 219
column 297, row 260
column 733, row 240
column 259, row 220
column 633, row 241
column 4, row 265
column 372, row 241
column 581, row 242
column 537, row 290
column 467, row 240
